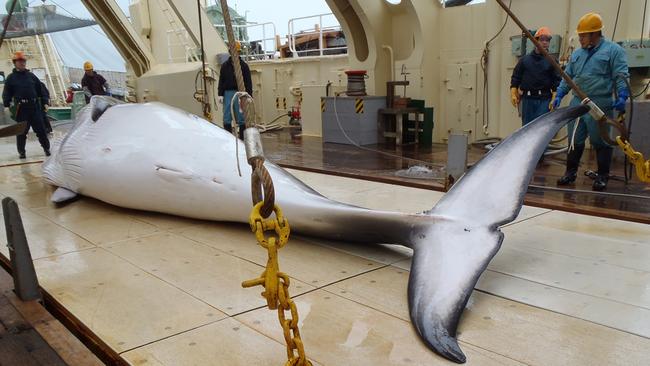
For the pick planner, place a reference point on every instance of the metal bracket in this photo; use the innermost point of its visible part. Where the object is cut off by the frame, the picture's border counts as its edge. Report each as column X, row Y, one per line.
column 24, row 274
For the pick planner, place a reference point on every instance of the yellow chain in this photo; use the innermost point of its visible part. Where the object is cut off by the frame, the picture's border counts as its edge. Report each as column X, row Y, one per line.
column 642, row 166
column 276, row 283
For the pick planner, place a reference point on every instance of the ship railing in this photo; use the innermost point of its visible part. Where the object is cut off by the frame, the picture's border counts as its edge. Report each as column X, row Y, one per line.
column 264, row 47
column 319, row 30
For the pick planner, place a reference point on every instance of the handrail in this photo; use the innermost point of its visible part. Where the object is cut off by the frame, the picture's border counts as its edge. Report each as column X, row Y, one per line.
column 292, row 34
column 263, row 41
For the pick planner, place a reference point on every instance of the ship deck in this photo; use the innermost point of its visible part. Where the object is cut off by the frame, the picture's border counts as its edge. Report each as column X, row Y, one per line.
column 154, row 289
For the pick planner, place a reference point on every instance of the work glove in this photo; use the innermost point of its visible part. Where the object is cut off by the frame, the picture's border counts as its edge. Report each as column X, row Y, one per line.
column 555, row 102
column 45, row 107
column 553, row 94
column 514, row 96
column 220, row 99
column 619, row 105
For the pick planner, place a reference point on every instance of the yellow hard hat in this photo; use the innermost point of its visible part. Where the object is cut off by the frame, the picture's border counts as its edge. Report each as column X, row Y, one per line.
column 238, row 46
column 18, row 55
column 543, row 31
column 589, row 23
column 88, row 66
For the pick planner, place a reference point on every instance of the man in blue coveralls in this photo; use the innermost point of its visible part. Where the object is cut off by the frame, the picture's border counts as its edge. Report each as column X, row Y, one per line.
column 228, row 88
column 534, row 80
column 598, row 68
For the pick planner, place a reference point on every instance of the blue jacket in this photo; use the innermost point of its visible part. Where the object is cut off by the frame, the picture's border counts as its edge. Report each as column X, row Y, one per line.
column 594, row 71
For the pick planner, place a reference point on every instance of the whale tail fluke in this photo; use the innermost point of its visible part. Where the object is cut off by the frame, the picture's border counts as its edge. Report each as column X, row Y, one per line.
column 466, row 232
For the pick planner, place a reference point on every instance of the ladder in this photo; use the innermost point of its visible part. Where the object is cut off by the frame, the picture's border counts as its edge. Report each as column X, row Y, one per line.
column 53, row 67
column 180, row 33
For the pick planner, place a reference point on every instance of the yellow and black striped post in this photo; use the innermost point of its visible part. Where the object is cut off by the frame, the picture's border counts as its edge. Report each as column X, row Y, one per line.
column 322, row 105
column 358, row 105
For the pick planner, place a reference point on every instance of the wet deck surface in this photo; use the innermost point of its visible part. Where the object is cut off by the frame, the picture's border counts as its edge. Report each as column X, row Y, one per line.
column 163, row 290
column 310, row 153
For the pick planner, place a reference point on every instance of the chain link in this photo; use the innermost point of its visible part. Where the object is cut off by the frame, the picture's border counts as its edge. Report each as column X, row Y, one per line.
column 276, row 284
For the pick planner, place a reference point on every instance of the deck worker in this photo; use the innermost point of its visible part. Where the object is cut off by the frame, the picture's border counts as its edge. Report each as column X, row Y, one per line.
column 599, row 68
column 93, row 83
column 23, row 94
column 534, row 81
column 228, row 88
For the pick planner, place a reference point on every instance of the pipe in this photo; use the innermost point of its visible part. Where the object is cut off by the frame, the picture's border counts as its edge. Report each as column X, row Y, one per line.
column 392, row 60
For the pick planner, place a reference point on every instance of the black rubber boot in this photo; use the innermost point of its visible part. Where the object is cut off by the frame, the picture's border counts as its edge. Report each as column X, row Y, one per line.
column 604, row 160
column 21, row 141
column 600, row 184
column 572, row 164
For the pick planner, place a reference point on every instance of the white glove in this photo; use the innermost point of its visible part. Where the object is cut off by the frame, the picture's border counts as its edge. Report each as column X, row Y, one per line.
column 220, row 100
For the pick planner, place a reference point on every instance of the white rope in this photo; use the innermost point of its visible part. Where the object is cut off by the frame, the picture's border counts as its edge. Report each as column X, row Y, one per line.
column 572, row 145
column 234, row 127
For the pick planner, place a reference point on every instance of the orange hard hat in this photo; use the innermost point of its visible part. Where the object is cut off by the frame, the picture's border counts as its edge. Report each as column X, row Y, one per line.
column 238, row 46
column 19, row 55
column 589, row 23
column 543, row 31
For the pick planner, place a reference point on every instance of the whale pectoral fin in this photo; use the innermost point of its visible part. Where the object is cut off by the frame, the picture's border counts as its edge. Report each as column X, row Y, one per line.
column 99, row 105
column 465, row 231
column 442, row 278
column 62, row 195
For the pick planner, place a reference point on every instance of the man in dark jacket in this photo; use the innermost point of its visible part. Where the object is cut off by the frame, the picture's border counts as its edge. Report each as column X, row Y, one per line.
column 534, row 81
column 93, row 83
column 23, row 92
column 228, row 88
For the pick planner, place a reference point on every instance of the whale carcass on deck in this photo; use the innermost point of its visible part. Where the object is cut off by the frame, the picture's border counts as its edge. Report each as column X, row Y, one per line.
column 158, row 158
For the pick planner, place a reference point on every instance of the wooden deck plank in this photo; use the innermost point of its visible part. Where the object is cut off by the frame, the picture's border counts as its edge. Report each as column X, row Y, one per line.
column 20, row 343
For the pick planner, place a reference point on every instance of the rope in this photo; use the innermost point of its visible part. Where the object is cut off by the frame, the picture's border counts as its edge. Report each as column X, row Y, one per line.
column 244, row 103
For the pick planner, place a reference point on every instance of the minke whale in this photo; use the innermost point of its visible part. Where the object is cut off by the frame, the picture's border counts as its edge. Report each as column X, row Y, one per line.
column 158, row 158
